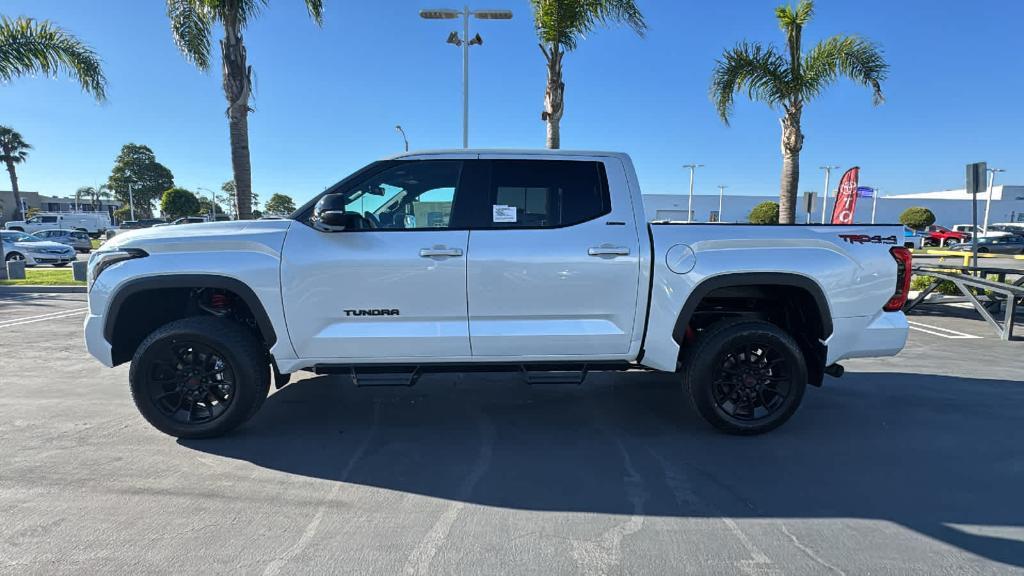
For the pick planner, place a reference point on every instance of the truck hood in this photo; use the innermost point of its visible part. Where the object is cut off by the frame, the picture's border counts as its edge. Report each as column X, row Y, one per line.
column 211, row 236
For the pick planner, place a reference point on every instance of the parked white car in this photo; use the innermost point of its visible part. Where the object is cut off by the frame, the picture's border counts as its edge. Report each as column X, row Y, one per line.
column 33, row 250
column 537, row 261
column 93, row 223
column 968, row 229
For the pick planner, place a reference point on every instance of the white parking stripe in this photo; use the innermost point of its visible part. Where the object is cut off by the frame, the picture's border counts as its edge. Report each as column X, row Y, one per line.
column 52, row 316
column 939, row 331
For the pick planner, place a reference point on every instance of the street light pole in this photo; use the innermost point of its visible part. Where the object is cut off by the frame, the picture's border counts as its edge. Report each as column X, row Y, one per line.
column 404, row 138
column 213, row 203
column 721, row 195
column 131, row 200
column 465, row 42
column 689, row 206
column 824, row 197
column 988, row 201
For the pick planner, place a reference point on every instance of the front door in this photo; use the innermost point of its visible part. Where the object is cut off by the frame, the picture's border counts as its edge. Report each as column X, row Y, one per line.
column 554, row 268
column 395, row 290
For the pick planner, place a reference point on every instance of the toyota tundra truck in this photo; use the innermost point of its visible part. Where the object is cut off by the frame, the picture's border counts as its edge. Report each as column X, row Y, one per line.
column 539, row 262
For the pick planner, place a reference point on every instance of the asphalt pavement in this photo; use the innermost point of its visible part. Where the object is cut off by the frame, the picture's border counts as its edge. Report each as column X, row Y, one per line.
column 907, row 465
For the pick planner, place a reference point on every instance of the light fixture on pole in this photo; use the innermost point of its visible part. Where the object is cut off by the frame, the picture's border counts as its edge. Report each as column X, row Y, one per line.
column 213, row 203
column 689, row 206
column 988, row 201
column 465, row 42
column 824, row 197
column 398, row 127
column 721, row 195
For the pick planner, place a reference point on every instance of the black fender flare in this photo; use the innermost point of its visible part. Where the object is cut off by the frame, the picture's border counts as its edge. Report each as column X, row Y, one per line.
column 143, row 284
column 753, row 279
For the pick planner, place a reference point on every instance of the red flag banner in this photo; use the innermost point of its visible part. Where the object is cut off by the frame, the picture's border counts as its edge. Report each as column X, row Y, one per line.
column 846, row 198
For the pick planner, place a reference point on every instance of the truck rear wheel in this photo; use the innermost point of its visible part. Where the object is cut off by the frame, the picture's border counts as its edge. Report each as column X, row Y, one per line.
column 199, row 377
column 745, row 376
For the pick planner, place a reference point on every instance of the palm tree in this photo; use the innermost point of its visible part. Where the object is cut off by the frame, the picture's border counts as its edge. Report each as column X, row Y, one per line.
column 13, row 151
column 95, row 194
column 29, row 47
column 560, row 26
column 192, row 23
column 789, row 80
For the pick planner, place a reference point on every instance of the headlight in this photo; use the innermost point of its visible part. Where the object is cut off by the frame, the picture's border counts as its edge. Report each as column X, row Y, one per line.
column 100, row 261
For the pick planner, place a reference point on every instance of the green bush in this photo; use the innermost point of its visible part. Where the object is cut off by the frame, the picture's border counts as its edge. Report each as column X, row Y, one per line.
column 765, row 213
column 946, row 287
column 178, row 202
column 917, row 218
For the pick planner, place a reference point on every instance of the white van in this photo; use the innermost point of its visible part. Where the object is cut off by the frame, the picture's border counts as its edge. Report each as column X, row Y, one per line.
column 95, row 223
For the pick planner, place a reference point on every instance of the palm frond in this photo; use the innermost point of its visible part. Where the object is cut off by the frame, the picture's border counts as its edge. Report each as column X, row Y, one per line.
column 849, row 56
column 565, row 22
column 316, row 11
column 13, row 148
column 191, row 26
column 790, row 17
column 758, row 70
column 29, row 47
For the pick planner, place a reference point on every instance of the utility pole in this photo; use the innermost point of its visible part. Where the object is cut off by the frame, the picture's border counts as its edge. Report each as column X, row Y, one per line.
column 721, row 195
column 988, row 201
column 131, row 200
column 824, row 197
column 874, row 203
column 465, row 42
column 689, row 211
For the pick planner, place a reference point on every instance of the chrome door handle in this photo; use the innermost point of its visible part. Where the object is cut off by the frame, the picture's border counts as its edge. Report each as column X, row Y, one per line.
column 608, row 251
column 433, row 252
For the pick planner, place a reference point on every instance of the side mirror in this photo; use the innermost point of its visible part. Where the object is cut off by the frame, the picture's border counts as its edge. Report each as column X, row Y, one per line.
column 339, row 220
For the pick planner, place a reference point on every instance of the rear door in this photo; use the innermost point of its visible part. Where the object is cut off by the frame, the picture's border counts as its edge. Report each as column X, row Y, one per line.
column 553, row 262
column 396, row 291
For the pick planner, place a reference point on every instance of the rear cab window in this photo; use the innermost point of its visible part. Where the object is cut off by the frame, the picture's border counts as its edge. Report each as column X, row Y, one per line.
column 546, row 193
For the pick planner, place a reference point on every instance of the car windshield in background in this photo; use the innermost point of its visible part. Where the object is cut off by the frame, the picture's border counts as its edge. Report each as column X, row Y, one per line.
column 19, row 237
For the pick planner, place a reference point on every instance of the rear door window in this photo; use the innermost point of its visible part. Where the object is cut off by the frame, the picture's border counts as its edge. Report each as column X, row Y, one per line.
column 546, row 193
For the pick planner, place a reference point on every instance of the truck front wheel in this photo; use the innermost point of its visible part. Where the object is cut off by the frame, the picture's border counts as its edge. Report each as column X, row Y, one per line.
column 199, row 377
column 745, row 376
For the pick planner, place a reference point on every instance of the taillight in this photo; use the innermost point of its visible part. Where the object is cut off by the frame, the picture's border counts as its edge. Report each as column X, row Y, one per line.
column 904, row 269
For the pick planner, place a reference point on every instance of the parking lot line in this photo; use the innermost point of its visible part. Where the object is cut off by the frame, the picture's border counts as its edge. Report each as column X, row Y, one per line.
column 40, row 318
column 939, row 331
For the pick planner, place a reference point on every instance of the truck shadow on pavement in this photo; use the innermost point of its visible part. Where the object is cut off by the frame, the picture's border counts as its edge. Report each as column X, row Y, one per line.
column 937, row 454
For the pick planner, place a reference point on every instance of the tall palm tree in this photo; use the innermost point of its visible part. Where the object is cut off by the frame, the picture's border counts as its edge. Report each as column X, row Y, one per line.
column 30, row 47
column 788, row 80
column 192, row 23
column 13, row 151
column 95, row 194
column 560, row 26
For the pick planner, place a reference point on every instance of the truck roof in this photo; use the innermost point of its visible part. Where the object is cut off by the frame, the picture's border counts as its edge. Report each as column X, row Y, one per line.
column 505, row 151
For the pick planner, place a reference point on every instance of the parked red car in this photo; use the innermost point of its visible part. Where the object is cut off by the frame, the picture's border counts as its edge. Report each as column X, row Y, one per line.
column 936, row 235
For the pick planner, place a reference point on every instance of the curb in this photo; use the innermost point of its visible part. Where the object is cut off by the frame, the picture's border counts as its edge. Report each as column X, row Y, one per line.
column 26, row 289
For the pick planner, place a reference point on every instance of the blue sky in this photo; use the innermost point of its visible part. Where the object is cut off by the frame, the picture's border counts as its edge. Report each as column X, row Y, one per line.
column 327, row 99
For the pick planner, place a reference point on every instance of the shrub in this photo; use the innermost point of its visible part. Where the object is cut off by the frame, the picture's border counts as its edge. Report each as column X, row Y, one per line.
column 178, row 202
column 917, row 218
column 946, row 287
column 765, row 213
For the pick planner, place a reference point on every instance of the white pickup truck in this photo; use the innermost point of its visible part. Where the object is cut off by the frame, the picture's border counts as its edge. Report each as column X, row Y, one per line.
column 94, row 223
column 534, row 261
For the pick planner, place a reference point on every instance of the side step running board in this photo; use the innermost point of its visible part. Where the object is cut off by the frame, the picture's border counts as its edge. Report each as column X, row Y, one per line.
column 554, row 377
column 384, row 378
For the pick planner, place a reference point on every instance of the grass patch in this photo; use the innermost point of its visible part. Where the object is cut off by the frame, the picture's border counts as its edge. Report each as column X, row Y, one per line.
column 45, row 277
column 95, row 243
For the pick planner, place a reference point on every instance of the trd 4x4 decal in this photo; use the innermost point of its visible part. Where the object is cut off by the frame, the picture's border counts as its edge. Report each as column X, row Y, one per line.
column 865, row 239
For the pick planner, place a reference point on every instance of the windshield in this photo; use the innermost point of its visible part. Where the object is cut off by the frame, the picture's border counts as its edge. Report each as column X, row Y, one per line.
column 19, row 237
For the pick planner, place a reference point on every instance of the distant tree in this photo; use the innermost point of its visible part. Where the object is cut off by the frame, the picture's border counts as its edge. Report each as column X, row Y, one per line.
column 766, row 212
column 280, row 204
column 205, row 204
column 789, row 79
column 13, row 151
column 95, row 195
column 229, row 198
column 560, row 25
column 178, row 202
column 123, row 213
column 192, row 24
column 137, row 164
column 32, row 211
column 917, row 218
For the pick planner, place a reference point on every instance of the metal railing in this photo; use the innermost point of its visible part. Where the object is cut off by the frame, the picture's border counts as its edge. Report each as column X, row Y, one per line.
column 996, row 294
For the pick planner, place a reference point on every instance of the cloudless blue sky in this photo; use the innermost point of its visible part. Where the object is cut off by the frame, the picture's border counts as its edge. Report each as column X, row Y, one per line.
column 327, row 99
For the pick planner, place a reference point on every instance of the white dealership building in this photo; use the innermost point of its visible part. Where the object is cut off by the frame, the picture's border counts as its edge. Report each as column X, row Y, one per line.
column 950, row 206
